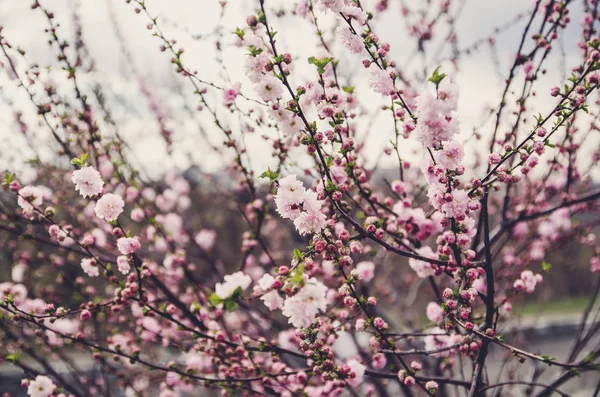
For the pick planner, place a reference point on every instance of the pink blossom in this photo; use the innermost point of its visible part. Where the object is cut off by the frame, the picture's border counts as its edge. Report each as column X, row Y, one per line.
column 354, row 12
column 131, row 193
column 290, row 195
column 364, row 271
column 41, row 386
column 438, row 121
column 87, row 181
column 457, row 208
column 90, row 267
column 435, row 313
column 303, row 307
column 351, row 41
column 128, row 245
column 310, row 222
column 331, row 5
column 105, row 166
column 302, row 8
column 595, row 264
column 232, row 282
column 379, row 361
column 137, row 214
column 206, row 239
column 109, row 207
column 123, row 264
column 451, row 155
column 30, row 197
column 422, row 268
column 358, row 370
column 197, row 361
column 229, row 94
column 431, row 386
column 269, row 88
column 380, row 81
column 271, row 299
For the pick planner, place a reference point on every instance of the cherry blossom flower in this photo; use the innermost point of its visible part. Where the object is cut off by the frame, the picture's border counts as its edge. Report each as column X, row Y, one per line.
column 41, row 386
column 290, row 195
column 435, row 313
column 303, row 307
column 437, row 120
column 271, row 299
column 123, row 264
column 438, row 338
column 310, row 222
column 90, row 267
column 451, row 156
column 354, row 12
column 109, row 207
column 349, row 40
column 380, row 81
column 229, row 94
column 269, row 88
column 206, row 239
column 364, row 271
column 358, row 370
column 422, row 268
column 30, row 197
column 87, row 181
column 232, row 282
column 128, row 245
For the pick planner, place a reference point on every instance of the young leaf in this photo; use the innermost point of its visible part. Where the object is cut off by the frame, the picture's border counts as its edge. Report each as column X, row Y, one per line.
column 215, row 299
column 319, row 63
column 230, row 305
column 8, row 178
column 437, row 77
column 14, row 357
column 81, row 161
column 269, row 174
column 546, row 266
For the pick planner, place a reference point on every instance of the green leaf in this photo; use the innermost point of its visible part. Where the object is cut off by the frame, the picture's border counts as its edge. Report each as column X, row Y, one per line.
column 540, row 118
column 13, row 358
column 297, row 277
column 437, row 77
column 237, row 293
column 8, row 178
column 575, row 372
column 239, row 33
column 590, row 357
column 254, row 51
column 269, row 174
column 297, row 254
column 319, row 63
column 230, row 305
column 215, row 299
column 349, row 89
column 546, row 266
column 81, row 161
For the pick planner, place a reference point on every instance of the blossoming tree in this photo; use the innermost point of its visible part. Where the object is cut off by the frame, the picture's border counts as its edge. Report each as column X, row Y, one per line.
column 143, row 286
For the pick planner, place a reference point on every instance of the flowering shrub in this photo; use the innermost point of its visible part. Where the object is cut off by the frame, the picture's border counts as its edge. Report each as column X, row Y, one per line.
column 149, row 280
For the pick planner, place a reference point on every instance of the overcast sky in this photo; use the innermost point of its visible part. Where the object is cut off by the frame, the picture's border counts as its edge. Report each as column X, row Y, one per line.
column 480, row 85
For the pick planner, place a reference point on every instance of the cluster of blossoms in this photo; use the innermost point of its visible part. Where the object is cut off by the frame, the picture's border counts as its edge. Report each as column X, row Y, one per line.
column 300, row 205
column 41, row 386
